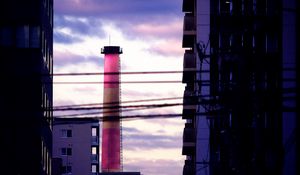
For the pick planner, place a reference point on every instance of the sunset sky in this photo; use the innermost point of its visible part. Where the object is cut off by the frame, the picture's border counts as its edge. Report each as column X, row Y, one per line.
column 150, row 33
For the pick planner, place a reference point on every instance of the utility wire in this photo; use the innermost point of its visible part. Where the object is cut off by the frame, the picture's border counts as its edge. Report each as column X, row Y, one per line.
column 108, row 112
column 130, row 117
column 127, row 109
column 124, row 73
column 115, row 107
column 120, row 102
column 117, row 82
column 127, row 117
column 117, row 104
column 201, row 82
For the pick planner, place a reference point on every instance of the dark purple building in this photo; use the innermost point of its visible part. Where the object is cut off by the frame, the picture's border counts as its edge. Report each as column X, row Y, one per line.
column 26, row 62
column 240, row 103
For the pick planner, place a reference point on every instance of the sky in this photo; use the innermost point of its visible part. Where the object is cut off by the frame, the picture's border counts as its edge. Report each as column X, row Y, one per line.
column 150, row 34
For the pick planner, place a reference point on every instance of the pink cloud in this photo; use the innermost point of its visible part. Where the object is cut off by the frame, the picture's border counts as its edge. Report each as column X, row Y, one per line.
column 170, row 47
column 161, row 29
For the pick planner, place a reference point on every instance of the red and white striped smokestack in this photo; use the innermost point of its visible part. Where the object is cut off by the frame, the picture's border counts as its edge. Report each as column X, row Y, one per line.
column 111, row 132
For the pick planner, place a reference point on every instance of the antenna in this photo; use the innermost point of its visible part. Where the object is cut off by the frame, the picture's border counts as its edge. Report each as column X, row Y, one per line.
column 109, row 39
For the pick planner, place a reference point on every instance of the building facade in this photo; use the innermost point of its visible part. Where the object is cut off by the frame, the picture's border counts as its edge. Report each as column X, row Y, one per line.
column 76, row 143
column 196, row 76
column 240, row 102
column 26, row 32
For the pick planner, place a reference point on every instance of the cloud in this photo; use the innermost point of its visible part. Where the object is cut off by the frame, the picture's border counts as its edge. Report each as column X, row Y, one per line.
column 63, row 58
column 165, row 27
column 148, row 142
column 116, row 9
column 135, row 139
column 136, row 18
column 140, row 94
column 159, row 29
column 168, row 48
column 151, row 167
column 86, row 26
column 60, row 37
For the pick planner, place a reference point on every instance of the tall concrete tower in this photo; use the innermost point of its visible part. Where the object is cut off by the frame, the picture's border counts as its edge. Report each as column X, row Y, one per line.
column 111, row 133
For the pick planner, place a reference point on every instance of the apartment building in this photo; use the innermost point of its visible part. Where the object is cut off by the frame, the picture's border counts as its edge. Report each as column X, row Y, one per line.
column 240, row 71
column 26, row 65
column 76, row 143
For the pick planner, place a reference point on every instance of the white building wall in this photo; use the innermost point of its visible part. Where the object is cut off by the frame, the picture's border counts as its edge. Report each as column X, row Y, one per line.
column 81, row 144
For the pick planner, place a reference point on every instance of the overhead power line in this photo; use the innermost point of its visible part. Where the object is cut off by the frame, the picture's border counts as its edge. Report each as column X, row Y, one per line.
column 118, row 82
column 128, row 101
column 128, row 117
column 121, row 102
column 125, row 73
column 202, row 82
column 135, row 117
column 110, row 111
column 118, row 108
column 115, row 107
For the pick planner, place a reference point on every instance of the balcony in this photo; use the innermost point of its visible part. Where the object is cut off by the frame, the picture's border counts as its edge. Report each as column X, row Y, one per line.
column 189, row 67
column 95, row 158
column 95, row 140
column 189, row 146
column 189, row 104
column 189, row 31
column 188, row 5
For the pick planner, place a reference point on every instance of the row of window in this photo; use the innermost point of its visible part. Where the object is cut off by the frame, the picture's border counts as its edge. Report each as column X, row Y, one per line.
column 266, row 42
column 68, row 151
column 26, row 36
column 66, row 133
column 246, row 7
column 68, row 169
column 20, row 37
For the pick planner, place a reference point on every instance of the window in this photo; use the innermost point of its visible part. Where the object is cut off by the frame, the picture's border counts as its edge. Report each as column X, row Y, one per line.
column 254, row 7
column 225, row 41
column 94, row 168
column 22, row 36
column 66, row 151
column 94, row 150
column 225, row 7
column 6, row 37
column 34, row 37
column 66, row 169
column 65, row 133
column 45, row 51
column 94, row 132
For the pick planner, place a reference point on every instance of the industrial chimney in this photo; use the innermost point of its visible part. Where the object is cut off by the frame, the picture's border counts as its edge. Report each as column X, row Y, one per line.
column 111, row 132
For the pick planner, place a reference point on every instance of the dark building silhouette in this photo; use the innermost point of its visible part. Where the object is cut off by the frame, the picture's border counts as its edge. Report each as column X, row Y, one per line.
column 26, row 32
column 246, row 55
